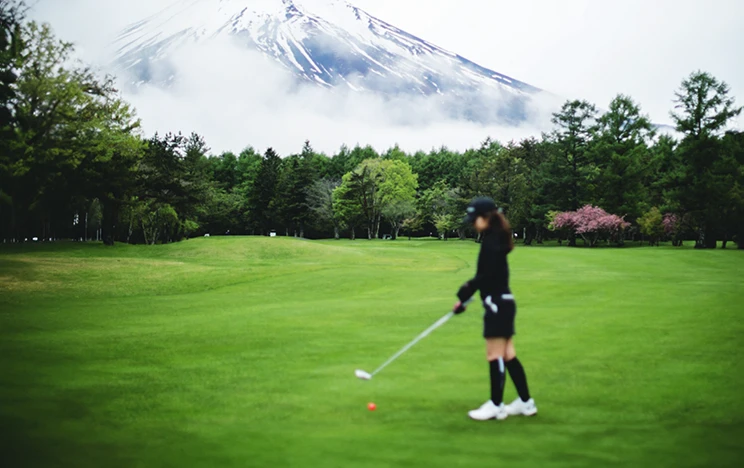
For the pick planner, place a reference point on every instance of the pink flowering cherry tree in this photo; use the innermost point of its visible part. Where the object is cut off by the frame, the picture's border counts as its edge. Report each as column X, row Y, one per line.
column 672, row 227
column 592, row 223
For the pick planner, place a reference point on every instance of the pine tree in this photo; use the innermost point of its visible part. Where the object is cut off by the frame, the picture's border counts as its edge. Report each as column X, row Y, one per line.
column 663, row 178
column 262, row 196
column 572, row 170
column 196, row 169
column 535, row 203
column 284, row 198
column 305, row 175
column 621, row 154
column 704, row 106
column 704, row 112
column 320, row 202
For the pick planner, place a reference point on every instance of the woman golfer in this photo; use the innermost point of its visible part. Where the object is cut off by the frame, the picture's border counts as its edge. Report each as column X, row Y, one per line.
column 492, row 280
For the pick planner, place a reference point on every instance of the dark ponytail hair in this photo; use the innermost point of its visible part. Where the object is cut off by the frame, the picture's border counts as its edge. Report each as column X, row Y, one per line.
column 499, row 225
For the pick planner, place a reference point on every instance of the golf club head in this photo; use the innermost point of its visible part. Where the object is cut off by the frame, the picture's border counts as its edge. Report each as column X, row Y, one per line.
column 362, row 375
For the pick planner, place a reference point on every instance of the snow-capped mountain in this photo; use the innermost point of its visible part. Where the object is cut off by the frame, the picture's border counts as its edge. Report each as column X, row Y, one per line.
column 329, row 43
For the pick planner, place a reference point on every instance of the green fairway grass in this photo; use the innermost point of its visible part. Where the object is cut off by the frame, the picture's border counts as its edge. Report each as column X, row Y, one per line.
column 236, row 352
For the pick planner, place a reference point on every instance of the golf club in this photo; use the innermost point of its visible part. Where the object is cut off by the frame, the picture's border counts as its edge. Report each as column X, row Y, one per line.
column 367, row 376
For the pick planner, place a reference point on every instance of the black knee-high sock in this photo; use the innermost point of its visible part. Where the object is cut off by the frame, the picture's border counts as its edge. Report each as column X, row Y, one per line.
column 516, row 372
column 497, row 381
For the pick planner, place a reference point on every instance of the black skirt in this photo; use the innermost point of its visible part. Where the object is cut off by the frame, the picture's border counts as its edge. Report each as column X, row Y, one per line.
column 498, row 319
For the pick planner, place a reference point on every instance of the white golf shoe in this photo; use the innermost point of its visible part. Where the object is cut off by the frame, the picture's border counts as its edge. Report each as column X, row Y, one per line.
column 489, row 411
column 519, row 407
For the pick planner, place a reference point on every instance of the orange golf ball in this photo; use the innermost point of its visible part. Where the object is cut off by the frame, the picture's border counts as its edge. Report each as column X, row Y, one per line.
column 371, row 406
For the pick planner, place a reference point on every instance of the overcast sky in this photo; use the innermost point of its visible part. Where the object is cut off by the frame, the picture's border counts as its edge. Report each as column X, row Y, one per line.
column 591, row 49
column 573, row 48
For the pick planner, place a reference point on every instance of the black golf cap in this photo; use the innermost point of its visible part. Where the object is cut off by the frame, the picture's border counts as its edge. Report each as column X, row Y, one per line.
column 479, row 207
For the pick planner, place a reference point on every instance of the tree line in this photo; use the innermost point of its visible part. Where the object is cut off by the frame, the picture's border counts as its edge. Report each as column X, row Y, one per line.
column 74, row 164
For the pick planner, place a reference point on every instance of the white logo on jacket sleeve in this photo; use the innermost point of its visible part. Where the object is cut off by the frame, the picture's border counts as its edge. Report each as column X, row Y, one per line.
column 489, row 302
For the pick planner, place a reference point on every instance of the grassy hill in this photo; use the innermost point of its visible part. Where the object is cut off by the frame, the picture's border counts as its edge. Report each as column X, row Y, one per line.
column 241, row 352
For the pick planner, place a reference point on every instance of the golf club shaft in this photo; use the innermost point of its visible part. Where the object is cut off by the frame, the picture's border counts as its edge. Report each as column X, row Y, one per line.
column 423, row 335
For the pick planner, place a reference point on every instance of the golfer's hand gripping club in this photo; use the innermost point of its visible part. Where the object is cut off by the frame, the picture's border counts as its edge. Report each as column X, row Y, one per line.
column 461, row 305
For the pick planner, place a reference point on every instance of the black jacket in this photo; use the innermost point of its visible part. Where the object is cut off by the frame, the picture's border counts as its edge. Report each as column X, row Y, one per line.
column 492, row 277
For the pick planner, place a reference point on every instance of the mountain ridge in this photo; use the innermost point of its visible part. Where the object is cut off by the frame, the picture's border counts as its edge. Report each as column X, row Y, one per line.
column 328, row 43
